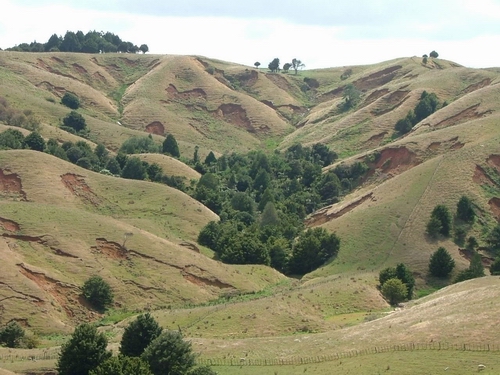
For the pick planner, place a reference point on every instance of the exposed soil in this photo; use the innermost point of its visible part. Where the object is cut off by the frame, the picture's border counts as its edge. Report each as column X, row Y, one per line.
column 248, row 78
column 200, row 277
column 390, row 102
column 494, row 162
column 57, row 90
column 375, row 140
column 129, row 62
column 48, row 241
column 80, row 69
column 66, row 295
column 96, row 76
column 377, row 79
column 9, row 225
column 110, row 249
column 331, row 94
column 485, row 259
column 465, row 115
column 190, row 246
column 43, row 65
column 476, row 86
column 324, row 215
column 481, row 177
column 495, row 207
column 77, row 185
column 57, row 60
column 395, row 161
column 156, row 127
column 457, row 146
column 236, row 115
column 11, row 184
column 194, row 94
column 280, row 81
column 375, row 95
column 434, row 146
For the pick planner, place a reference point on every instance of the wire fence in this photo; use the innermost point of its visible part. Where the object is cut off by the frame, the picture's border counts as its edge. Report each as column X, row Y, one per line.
column 54, row 355
column 347, row 354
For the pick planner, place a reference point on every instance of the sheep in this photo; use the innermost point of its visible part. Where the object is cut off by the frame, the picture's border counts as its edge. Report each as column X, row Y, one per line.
column 480, row 367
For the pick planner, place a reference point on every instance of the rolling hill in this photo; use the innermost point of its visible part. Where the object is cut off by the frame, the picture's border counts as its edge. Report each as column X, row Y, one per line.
column 61, row 224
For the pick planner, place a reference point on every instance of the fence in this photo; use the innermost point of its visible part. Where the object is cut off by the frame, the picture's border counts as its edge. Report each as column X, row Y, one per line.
column 53, row 355
column 347, row 354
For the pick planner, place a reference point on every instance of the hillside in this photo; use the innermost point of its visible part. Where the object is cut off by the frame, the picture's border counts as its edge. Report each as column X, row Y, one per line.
column 60, row 223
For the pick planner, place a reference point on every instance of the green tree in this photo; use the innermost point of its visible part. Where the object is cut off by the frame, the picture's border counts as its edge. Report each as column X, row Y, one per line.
column 144, row 48
column 297, row 64
column 210, row 158
column 475, row 270
column 440, row 218
column 98, row 292
column 394, row 290
column 11, row 139
column 122, row 365
column 434, row 54
column 495, row 267
column 312, row 249
column 134, row 169
column 35, row 141
column 465, row 209
column 243, row 202
column 138, row 335
column 405, row 275
column 493, row 239
column 170, row 146
column 11, row 335
column 84, row 352
column 386, row 274
column 256, row 64
column 71, row 101
column 441, row 263
column 138, row 145
column 169, row 354
column 286, row 67
column 75, row 121
column 351, row 96
column 274, row 66
column 269, row 215
column 113, row 166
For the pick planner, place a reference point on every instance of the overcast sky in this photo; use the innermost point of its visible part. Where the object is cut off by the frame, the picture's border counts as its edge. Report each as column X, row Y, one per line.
column 322, row 33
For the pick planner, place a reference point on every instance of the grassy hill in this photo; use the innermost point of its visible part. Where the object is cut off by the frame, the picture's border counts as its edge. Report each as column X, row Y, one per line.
column 61, row 223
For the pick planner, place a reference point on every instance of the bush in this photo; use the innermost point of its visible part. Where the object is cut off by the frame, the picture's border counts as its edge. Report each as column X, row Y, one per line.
column 169, row 354
column 34, row 141
column 394, row 290
column 98, row 292
column 84, row 352
column 12, row 335
column 440, row 221
column 465, row 210
column 70, row 100
column 441, row 263
column 75, row 121
column 122, row 365
column 138, row 335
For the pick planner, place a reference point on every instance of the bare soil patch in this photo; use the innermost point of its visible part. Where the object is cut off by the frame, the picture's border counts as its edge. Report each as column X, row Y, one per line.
column 481, row 177
column 80, row 69
column 200, row 277
column 193, row 94
column 494, row 162
column 156, row 127
column 57, row 90
column 395, row 161
column 324, row 215
column 495, row 207
column 377, row 79
column 77, row 185
column 280, row 81
column 463, row 116
column 11, row 184
column 391, row 102
column 9, row 225
column 110, row 249
column 375, row 95
column 476, row 86
column 236, row 115
column 375, row 140
column 97, row 76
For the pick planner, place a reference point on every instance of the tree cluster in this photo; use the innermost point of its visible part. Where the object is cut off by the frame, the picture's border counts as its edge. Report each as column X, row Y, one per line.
column 397, row 277
column 91, row 42
column 144, row 350
column 12, row 335
column 440, row 222
column 274, row 66
column 262, row 201
column 13, row 139
column 426, row 106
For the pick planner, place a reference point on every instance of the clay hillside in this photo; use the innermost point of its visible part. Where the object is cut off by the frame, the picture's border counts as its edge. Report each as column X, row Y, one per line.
column 61, row 223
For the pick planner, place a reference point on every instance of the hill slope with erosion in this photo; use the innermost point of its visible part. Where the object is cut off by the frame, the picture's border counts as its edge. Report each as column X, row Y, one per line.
column 226, row 107
column 60, row 224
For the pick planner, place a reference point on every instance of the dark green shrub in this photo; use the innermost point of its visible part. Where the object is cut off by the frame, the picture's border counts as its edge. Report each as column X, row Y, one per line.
column 70, row 100
column 98, row 292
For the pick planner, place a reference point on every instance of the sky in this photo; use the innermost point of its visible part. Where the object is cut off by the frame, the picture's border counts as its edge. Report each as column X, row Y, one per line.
column 320, row 33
